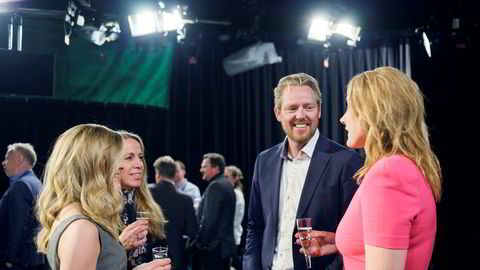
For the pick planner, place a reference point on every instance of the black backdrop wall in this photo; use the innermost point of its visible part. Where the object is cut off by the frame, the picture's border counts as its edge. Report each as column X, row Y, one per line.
column 210, row 112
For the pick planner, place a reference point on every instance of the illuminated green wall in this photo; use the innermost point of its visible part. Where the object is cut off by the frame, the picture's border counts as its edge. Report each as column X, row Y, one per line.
column 113, row 73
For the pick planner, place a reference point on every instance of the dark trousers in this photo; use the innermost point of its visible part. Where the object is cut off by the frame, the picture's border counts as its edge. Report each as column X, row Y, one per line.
column 212, row 259
column 237, row 260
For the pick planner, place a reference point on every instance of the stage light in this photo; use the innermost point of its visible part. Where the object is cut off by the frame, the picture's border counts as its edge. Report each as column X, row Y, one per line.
column 87, row 23
column 334, row 22
column 143, row 23
column 170, row 21
column 326, row 62
column 320, row 29
column 348, row 30
column 157, row 21
column 426, row 44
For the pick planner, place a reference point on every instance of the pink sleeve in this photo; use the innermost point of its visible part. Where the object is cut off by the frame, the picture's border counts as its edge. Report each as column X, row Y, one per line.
column 389, row 204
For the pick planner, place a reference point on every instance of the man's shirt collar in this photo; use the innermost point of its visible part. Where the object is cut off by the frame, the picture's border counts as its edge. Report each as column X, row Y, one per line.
column 307, row 149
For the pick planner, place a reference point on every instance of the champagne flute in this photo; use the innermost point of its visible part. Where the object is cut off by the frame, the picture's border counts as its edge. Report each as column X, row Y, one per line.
column 304, row 227
column 143, row 216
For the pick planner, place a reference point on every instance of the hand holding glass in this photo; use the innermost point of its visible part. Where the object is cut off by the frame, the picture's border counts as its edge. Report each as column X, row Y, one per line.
column 160, row 252
column 304, row 227
column 143, row 216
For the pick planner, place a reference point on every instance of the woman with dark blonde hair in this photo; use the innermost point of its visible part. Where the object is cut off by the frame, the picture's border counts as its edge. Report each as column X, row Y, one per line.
column 391, row 221
column 79, row 207
column 235, row 176
column 139, row 236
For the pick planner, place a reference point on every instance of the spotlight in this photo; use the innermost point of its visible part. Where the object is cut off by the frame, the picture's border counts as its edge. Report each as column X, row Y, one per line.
column 348, row 30
column 170, row 21
column 142, row 23
column 351, row 43
column 157, row 21
column 108, row 31
column 87, row 23
column 333, row 22
column 426, row 44
column 326, row 62
column 320, row 29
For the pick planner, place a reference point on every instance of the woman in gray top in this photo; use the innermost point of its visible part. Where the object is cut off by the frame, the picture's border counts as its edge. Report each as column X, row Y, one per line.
column 80, row 205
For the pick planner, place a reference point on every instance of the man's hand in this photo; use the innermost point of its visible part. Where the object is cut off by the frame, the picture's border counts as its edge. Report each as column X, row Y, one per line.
column 322, row 243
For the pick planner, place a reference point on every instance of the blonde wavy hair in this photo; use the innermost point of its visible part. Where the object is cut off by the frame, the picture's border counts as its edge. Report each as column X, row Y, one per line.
column 143, row 199
column 81, row 170
column 390, row 108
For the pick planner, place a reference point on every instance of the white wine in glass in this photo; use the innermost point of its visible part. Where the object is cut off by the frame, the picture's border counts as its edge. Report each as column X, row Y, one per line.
column 304, row 227
column 143, row 216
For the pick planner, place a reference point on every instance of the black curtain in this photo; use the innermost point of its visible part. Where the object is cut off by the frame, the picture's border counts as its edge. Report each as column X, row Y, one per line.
column 209, row 111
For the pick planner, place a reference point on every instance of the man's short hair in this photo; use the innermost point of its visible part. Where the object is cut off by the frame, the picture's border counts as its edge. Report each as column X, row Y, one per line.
column 216, row 160
column 181, row 164
column 165, row 166
column 26, row 150
column 298, row 79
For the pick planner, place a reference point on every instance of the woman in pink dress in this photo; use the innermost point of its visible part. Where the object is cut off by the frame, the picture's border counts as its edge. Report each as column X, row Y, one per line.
column 391, row 221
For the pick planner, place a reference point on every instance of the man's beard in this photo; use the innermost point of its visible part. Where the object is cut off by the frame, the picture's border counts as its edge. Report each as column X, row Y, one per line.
column 300, row 139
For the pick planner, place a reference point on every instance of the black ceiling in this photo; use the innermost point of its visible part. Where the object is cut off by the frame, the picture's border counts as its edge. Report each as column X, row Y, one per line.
column 292, row 16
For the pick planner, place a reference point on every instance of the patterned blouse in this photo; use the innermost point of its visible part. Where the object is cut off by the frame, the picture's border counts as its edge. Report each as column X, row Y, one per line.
column 142, row 254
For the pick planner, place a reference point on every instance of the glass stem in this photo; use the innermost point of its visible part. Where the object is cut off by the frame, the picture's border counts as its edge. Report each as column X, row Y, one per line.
column 308, row 261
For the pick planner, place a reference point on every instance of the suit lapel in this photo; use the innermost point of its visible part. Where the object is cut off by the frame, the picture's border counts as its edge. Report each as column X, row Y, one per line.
column 277, row 164
column 314, row 175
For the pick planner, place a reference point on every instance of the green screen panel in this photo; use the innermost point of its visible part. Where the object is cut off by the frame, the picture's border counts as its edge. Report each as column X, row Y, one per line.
column 111, row 73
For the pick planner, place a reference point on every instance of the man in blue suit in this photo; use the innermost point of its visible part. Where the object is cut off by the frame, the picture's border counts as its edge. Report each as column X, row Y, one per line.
column 18, row 225
column 305, row 176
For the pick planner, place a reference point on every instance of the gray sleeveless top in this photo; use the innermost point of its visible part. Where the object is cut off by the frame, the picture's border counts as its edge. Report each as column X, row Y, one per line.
column 112, row 254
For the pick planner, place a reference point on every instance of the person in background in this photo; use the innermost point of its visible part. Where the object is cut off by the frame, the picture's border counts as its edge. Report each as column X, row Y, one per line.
column 215, row 242
column 79, row 207
column 391, row 221
column 18, row 225
column 178, row 209
column 186, row 187
column 235, row 176
column 306, row 175
column 139, row 236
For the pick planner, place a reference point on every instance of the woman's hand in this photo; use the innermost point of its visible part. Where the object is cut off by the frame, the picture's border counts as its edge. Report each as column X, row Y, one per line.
column 322, row 243
column 157, row 264
column 134, row 235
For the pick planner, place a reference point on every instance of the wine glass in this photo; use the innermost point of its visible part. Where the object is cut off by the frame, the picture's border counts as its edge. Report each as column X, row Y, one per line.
column 304, row 227
column 160, row 252
column 142, row 216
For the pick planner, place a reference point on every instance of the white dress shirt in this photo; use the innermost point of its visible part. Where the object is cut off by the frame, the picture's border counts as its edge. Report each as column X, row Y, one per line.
column 294, row 173
column 239, row 212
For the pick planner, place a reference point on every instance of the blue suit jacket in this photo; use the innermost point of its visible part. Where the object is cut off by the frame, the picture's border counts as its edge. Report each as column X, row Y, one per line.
column 18, row 224
column 326, row 194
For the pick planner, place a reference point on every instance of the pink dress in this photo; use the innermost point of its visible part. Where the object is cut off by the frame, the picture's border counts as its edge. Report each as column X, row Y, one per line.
column 393, row 208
